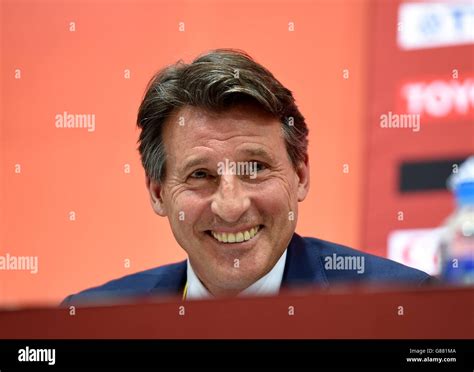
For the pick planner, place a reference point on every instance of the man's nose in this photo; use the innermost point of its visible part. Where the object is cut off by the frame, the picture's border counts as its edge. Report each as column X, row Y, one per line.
column 230, row 201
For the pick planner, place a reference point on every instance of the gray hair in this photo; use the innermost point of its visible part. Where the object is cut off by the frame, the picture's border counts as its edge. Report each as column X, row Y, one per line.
column 215, row 81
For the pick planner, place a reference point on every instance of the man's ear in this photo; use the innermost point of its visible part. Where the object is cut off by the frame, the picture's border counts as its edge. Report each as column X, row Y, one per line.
column 302, row 171
column 155, row 190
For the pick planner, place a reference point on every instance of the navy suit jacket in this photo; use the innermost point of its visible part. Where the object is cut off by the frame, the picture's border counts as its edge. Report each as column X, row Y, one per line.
column 305, row 265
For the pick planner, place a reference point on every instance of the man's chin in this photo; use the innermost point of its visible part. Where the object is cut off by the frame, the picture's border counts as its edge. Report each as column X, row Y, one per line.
column 234, row 284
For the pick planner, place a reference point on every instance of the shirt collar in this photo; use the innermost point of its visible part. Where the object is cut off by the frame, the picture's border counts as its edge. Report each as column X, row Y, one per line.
column 268, row 284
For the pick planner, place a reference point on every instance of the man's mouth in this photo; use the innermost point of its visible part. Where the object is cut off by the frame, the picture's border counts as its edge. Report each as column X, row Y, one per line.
column 235, row 237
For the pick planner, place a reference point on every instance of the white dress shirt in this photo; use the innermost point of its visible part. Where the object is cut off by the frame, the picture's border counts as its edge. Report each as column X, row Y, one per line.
column 268, row 284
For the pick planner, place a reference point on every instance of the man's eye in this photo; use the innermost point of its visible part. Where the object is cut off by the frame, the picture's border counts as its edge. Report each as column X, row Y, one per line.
column 199, row 174
column 260, row 166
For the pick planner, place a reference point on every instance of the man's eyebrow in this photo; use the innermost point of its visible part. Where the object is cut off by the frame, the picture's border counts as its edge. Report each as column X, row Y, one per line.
column 197, row 161
column 194, row 162
column 258, row 152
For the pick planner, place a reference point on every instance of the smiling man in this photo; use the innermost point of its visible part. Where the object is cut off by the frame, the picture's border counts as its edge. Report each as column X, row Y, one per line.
column 224, row 148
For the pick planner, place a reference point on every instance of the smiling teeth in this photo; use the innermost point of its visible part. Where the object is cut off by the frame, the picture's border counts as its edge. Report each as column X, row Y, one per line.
column 239, row 237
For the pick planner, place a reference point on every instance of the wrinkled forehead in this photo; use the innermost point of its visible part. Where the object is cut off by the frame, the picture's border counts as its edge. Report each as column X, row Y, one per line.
column 192, row 126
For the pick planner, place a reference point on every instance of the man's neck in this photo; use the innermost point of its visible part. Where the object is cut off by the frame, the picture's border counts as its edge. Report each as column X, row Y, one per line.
column 268, row 284
column 216, row 291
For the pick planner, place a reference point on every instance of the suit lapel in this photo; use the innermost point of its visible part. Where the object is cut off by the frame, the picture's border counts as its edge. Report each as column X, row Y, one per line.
column 303, row 265
column 172, row 280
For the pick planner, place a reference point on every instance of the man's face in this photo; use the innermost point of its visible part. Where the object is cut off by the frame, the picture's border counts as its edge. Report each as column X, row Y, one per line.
column 201, row 201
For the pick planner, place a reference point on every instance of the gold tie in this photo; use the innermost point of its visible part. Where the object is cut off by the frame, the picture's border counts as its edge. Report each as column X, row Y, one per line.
column 185, row 291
